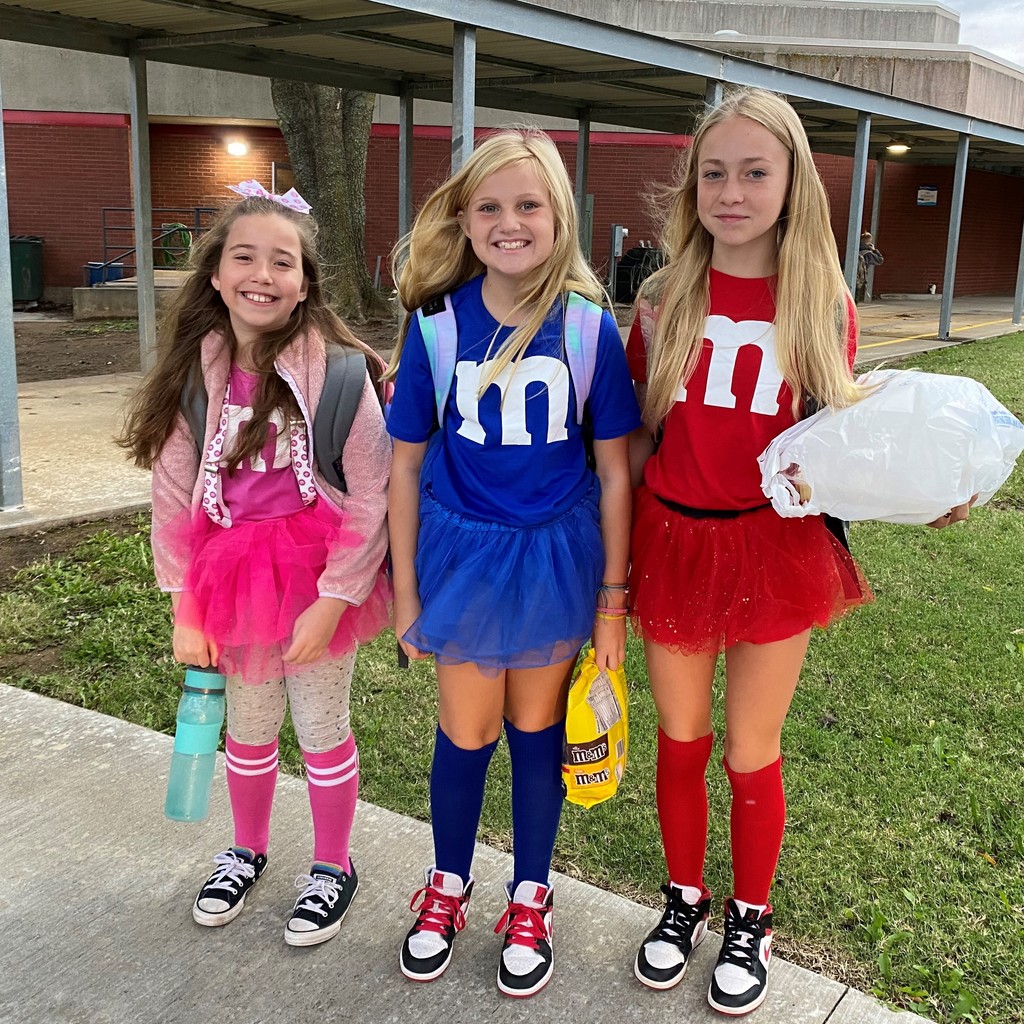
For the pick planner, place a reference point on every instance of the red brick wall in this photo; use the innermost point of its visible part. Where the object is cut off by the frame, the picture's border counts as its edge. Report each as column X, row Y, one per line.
column 59, row 177
column 61, row 174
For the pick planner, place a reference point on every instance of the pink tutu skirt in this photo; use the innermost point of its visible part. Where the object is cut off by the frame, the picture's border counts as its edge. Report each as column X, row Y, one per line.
column 701, row 584
column 248, row 583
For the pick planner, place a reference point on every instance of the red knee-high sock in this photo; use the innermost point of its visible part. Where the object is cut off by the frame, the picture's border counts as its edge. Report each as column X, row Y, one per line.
column 758, row 818
column 252, row 776
column 333, row 782
column 682, row 796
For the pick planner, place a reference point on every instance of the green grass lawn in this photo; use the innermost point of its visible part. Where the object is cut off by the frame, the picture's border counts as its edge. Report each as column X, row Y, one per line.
column 903, row 867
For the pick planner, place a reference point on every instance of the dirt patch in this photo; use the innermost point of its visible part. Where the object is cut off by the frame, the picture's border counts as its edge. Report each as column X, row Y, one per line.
column 21, row 549
column 55, row 349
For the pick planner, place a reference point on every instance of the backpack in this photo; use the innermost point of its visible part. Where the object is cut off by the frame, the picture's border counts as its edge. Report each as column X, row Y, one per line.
column 581, row 327
column 343, row 387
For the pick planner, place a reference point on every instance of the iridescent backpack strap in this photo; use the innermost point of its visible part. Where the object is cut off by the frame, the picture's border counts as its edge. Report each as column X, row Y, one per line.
column 441, row 340
column 582, row 330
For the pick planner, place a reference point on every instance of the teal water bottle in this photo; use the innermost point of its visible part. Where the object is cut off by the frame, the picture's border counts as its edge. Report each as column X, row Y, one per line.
column 200, row 716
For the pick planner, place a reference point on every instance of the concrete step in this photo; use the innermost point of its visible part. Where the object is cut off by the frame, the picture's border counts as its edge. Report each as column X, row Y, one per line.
column 114, row 300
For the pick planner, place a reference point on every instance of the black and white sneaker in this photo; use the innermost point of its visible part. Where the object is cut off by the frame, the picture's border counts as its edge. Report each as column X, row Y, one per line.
column 222, row 897
column 527, row 959
column 442, row 908
column 740, row 981
column 326, row 895
column 662, row 958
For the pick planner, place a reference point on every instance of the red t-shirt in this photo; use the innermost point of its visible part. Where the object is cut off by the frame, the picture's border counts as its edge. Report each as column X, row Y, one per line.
column 733, row 405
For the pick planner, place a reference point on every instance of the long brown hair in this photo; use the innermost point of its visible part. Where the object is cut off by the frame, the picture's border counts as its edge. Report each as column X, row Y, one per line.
column 198, row 309
column 813, row 304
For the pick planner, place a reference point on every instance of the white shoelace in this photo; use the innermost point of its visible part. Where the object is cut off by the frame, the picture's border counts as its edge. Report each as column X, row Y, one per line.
column 316, row 888
column 231, row 871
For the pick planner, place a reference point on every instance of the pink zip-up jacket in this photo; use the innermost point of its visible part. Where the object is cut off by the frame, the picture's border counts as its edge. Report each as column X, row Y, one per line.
column 351, row 571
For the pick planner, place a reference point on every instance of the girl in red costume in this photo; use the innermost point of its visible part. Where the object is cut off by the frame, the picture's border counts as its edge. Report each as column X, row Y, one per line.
column 749, row 323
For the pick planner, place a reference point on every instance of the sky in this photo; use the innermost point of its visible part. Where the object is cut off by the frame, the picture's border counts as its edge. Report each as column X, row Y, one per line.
column 993, row 25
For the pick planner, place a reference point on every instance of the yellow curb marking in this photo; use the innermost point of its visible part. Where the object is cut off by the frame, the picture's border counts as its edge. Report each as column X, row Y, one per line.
column 920, row 337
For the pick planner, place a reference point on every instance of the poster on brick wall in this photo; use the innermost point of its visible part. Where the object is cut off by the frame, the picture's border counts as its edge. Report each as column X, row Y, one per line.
column 927, row 195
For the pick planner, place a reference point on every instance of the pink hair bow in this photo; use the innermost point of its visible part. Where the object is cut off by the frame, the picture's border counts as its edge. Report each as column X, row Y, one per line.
column 291, row 198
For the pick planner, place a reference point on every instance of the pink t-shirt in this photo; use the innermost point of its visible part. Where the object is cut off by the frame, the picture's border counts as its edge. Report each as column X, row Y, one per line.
column 264, row 486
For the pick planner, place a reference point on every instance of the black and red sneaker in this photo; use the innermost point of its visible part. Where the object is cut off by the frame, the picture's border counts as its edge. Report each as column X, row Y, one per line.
column 526, row 957
column 443, row 903
column 662, row 958
column 740, row 980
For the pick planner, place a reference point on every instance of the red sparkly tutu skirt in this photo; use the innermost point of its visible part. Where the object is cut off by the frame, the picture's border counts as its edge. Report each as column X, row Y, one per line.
column 248, row 583
column 700, row 584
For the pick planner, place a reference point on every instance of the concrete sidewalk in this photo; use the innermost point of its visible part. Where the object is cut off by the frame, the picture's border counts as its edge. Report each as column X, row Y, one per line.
column 96, row 890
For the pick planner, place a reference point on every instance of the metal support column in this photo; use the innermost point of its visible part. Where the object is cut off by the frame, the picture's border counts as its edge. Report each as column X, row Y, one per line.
column 463, row 94
column 1018, row 295
column 858, row 180
column 142, row 200
column 876, row 208
column 953, row 238
column 582, row 168
column 10, row 436
column 713, row 93
column 406, row 121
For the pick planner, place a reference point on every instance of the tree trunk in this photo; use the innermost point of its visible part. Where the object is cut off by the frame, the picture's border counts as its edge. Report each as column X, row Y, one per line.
column 327, row 131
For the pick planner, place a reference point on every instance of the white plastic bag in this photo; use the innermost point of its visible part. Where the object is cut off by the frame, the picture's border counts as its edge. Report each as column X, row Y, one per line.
column 918, row 445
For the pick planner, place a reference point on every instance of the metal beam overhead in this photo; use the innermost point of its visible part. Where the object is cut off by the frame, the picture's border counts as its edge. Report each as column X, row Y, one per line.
column 327, row 27
column 214, row 6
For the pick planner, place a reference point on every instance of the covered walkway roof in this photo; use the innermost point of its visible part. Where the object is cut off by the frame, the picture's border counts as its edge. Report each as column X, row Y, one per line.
column 498, row 53
column 527, row 59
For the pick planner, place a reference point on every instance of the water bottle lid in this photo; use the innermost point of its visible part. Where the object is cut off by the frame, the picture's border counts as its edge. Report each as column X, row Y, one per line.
column 204, row 680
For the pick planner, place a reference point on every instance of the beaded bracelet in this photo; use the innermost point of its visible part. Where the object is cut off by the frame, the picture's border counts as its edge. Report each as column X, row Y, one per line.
column 611, row 614
column 614, row 586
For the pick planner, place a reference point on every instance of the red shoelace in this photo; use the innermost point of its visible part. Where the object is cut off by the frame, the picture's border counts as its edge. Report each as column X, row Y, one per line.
column 526, row 926
column 437, row 911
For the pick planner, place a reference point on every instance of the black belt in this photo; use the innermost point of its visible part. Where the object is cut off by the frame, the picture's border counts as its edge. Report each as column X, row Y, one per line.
column 708, row 513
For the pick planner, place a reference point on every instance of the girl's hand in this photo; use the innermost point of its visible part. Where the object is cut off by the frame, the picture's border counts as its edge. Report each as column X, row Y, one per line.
column 191, row 647
column 954, row 515
column 609, row 642
column 314, row 629
column 407, row 611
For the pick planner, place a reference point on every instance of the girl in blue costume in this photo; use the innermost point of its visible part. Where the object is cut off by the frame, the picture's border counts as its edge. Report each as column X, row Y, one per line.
column 508, row 551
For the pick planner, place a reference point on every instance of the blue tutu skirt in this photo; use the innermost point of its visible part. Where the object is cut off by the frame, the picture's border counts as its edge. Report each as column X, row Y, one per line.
column 507, row 596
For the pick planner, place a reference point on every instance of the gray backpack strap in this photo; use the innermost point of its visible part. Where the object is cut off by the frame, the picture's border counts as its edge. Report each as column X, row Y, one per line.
column 343, row 388
column 194, row 403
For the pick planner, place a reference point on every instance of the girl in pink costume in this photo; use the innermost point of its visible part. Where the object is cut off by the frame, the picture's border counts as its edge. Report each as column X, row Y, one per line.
column 275, row 576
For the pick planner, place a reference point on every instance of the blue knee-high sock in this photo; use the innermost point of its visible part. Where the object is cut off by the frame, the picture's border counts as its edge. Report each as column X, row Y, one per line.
column 536, row 798
column 457, row 779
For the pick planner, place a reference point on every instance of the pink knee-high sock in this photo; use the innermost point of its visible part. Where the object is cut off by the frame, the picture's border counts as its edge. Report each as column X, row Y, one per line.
column 758, row 819
column 252, row 776
column 333, row 781
column 682, row 796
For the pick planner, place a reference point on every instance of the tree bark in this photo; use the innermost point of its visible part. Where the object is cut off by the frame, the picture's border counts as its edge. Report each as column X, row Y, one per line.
column 327, row 131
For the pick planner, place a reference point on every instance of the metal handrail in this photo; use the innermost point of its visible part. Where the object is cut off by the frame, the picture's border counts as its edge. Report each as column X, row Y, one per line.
column 196, row 229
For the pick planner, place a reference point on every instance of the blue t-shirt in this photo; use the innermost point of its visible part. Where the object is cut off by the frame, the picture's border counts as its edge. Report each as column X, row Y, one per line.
column 521, row 461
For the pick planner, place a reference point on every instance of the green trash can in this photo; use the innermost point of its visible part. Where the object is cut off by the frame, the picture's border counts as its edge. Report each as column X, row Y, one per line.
column 27, row 267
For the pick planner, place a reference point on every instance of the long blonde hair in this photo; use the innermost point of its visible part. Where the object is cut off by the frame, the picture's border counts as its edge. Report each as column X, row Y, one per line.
column 813, row 303
column 198, row 309
column 436, row 256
